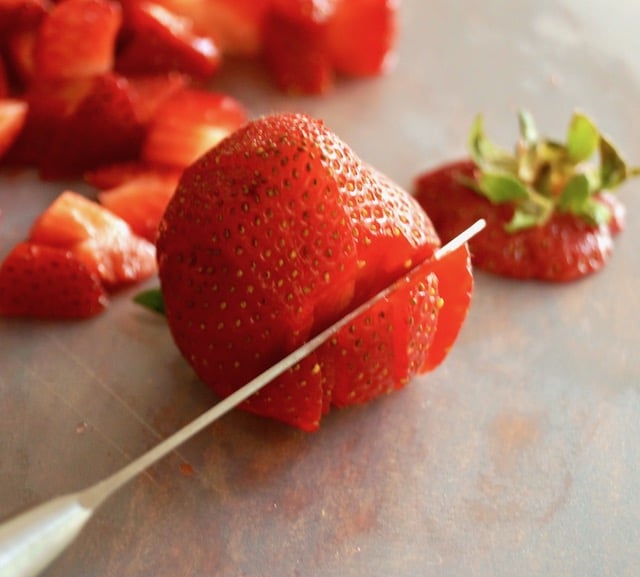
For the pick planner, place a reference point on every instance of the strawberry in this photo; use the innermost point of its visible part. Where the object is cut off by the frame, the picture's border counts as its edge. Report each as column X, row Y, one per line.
column 234, row 25
column 306, row 42
column 48, row 283
column 276, row 233
column 160, row 41
column 187, row 124
column 77, row 39
column 13, row 113
column 102, row 241
column 362, row 37
column 142, row 199
column 295, row 48
column 548, row 214
column 103, row 128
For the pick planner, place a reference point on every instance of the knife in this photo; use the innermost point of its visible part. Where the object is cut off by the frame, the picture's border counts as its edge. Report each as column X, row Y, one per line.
column 30, row 541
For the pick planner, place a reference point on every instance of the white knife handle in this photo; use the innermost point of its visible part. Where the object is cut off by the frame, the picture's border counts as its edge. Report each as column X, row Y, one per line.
column 32, row 540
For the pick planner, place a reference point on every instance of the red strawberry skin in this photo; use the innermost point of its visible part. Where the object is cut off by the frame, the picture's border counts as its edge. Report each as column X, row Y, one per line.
column 272, row 236
column 48, row 283
column 565, row 248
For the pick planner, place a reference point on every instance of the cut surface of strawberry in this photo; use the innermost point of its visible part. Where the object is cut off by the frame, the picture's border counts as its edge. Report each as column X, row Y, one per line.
column 97, row 237
column 188, row 123
column 48, row 283
column 160, row 41
column 549, row 215
column 271, row 237
column 77, row 39
column 141, row 200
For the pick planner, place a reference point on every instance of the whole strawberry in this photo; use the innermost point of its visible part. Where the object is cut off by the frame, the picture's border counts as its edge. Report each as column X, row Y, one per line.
column 548, row 214
column 271, row 237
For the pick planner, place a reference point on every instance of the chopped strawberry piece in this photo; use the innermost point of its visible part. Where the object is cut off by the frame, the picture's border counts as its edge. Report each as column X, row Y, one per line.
column 362, row 36
column 455, row 286
column 103, row 128
column 234, row 25
column 384, row 347
column 50, row 104
column 48, row 283
column 77, row 39
column 160, row 41
column 142, row 200
column 295, row 52
column 113, row 175
column 189, row 123
column 13, row 114
column 4, row 79
column 148, row 92
column 19, row 15
column 100, row 239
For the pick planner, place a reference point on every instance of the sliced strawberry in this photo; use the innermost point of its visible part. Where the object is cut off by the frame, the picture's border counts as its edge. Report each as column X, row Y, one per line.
column 159, row 41
column 77, row 39
column 102, row 129
column 455, row 287
column 295, row 50
column 362, row 36
column 148, row 92
column 189, row 123
column 234, row 25
column 142, row 200
column 113, row 175
column 50, row 104
column 48, row 283
column 100, row 239
column 13, row 113
column 384, row 347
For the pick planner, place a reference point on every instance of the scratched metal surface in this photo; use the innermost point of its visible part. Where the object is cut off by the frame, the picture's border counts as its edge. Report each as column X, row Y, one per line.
column 519, row 456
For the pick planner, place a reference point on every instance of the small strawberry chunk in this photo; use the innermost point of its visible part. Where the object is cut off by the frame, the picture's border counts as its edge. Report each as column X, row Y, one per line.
column 189, row 123
column 77, row 39
column 160, row 41
column 141, row 200
column 362, row 36
column 100, row 239
column 48, row 283
column 103, row 128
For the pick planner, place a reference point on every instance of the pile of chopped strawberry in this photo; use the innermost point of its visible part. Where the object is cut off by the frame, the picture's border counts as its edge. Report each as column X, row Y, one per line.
column 548, row 210
column 275, row 234
column 76, row 254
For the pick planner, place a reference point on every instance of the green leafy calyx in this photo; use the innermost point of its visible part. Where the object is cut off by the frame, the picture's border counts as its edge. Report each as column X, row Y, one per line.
column 544, row 176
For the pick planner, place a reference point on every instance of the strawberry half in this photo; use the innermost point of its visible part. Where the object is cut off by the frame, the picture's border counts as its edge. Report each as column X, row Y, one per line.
column 548, row 214
column 142, row 199
column 276, row 233
column 48, row 283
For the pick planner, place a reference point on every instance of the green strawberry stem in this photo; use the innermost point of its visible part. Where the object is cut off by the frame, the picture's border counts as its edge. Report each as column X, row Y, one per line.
column 151, row 299
column 544, row 176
